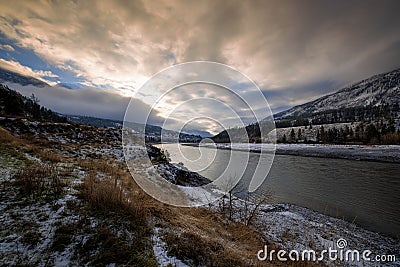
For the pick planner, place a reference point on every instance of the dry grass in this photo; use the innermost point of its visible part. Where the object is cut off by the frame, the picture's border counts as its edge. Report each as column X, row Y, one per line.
column 9, row 143
column 197, row 235
column 48, row 155
column 39, row 180
column 203, row 239
column 213, row 241
column 103, row 194
column 7, row 138
column 390, row 138
column 191, row 246
column 200, row 236
column 112, row 248
column 207, row 238
column 116, row 191
column 63, row 236
column 109, row 168
column 16, row 146
column 110, row 201
column 107, row 192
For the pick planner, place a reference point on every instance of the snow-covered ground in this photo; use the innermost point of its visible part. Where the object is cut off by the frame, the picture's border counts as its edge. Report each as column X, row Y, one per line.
column 287, row 226
column 28, row 227
column 290, row 227
column 160, row 250
column 383, row 153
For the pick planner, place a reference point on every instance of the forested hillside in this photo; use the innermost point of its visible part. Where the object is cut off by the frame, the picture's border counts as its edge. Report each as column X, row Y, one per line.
column 366, row 112
column 13, row 104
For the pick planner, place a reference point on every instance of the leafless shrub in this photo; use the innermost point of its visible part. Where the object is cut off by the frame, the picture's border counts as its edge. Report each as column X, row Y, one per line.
column 244, row 209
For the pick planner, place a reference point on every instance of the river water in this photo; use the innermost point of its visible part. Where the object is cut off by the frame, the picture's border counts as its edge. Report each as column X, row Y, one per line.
column 367, row 193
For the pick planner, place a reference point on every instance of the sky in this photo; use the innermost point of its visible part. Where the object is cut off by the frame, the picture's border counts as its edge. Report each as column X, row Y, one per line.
column 96, row 55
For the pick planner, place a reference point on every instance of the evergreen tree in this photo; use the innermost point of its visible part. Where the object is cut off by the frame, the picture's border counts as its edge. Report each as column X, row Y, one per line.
column 299, row 134
column 292, row 136
column 322, row 134
column 371, row 134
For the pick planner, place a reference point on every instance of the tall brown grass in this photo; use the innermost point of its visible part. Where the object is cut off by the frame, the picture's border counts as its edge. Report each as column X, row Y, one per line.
column 109, row 198
column 116, row 192
column 38, row 180
column 198, row 235
column 100, row 165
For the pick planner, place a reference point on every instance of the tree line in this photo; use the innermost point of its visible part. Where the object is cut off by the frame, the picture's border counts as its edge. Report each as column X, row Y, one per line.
column 352, row 114
column 14, row 104
column 381, row 132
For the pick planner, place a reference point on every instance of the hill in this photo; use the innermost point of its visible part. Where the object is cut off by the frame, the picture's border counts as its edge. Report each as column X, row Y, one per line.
column 14, row 104
column 375, row 97
column 152, row 132
column 365, row 112
column 92, row 121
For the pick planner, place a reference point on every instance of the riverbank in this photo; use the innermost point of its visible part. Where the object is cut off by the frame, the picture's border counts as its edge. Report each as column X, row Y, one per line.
column 70, row 201
column 291, row 227
column 378, row 153
column 101, row 214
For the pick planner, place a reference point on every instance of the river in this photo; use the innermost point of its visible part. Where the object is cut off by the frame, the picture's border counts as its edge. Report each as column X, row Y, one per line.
column 366, row 193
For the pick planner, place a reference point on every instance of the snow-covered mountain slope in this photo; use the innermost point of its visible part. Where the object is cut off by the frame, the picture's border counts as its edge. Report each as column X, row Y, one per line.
column 378, row 90
column 13, row 77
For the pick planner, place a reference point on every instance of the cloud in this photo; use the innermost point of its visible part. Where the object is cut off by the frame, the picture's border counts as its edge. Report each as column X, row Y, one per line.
column 89, row 102
column 291, row 49
column 15, row 66
column 6, row 47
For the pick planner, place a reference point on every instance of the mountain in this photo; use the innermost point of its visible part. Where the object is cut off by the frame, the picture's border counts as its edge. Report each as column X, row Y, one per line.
column 13, row 77
column 92, row 121
column 366, row 112
column 203, row 134
column 153, row 133
column 14, row 104
column 377, row 96
column 71, row 85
